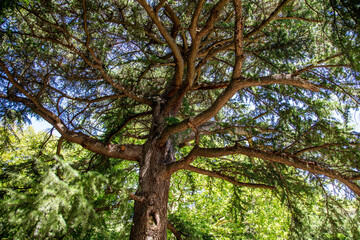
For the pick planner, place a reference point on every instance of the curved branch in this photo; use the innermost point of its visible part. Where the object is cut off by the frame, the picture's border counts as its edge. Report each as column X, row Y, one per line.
column 127, row 152
column 227, row 178
column 234, row 86
column 267, row 20
column 174, row 18
column 212, row 51
column 171, row 42
column 195, row 18
column 129, row 119
column 280, row 158
column 316, row 148
column 298, row 18
column 311, row 66
column 214, row 15
column 174, row 231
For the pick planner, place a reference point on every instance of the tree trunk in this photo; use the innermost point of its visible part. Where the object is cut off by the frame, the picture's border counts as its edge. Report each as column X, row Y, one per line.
column 151, row 199
column 150, row 211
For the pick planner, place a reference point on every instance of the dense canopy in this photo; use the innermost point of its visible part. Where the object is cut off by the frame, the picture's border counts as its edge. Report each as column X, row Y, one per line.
column 259, row 94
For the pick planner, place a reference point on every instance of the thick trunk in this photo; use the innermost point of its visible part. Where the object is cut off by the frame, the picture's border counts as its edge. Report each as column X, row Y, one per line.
column 150, row 211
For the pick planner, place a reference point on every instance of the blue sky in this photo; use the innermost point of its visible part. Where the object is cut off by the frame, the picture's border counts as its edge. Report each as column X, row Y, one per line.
column 42, row 126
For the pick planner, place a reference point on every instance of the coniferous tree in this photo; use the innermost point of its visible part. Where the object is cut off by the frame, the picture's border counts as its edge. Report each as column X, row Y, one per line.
column 256, row 93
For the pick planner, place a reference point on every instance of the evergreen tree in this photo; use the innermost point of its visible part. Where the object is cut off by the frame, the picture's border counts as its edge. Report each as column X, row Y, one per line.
column 256, row 93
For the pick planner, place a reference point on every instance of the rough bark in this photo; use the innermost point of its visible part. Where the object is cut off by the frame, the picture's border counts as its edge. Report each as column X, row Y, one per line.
column 150, row 210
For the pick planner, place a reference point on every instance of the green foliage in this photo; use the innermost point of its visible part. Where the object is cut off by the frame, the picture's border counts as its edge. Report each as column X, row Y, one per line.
column 203, row 208
column 172, row 120
column 220, row 211
column 345, row 21
column 44, row 196
column 48, row 196
column 96, row 69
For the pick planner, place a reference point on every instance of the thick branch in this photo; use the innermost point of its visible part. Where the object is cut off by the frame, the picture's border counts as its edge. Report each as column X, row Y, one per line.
column 127, row 152
column 238, row 39
column 174, row 18
column 182, row 164
column 214, row 15
column 210, row 86
column 171, row 42
column 285, row 79
column 195, row 18
column 228, row 93
column 176, row 93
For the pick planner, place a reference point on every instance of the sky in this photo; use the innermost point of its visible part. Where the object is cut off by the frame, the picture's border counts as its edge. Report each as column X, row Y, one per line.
column 357, row 120
column 41, row 125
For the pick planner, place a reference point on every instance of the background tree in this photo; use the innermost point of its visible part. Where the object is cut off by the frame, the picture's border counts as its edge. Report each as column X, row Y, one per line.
column 258, row 94
column 44, row 195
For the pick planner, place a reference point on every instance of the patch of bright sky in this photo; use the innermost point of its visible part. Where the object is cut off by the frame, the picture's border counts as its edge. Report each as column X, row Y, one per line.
column 356, row 121
column 43, row 126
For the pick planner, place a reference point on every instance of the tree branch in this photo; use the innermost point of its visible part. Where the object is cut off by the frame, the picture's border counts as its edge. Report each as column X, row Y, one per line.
column 311, row 66
column 238, row 39
column 123, row 125
column 234, row 86
column 174, row 18
column 91, row 64
column 171, row 42
column 210, row 128
column 172, row 228
column 316, row 148
column 227, row 178
column 214, row 15
column 94, row 100
column 127, row 152
column 195, row 18
column 210, row 86
column 267, row 20
column 298, row 18
column 181, row 164
column 279, row 158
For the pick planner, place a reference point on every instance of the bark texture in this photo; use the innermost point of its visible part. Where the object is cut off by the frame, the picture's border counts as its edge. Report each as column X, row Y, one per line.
column 150, row 210
column 150, row 219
